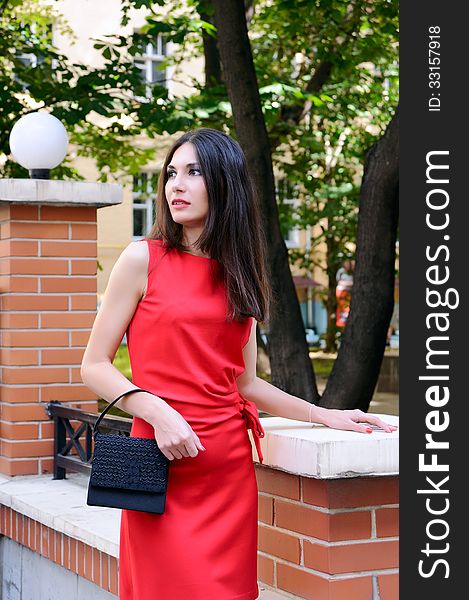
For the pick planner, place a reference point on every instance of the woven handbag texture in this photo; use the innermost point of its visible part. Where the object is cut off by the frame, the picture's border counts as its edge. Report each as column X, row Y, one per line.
column 128, row 463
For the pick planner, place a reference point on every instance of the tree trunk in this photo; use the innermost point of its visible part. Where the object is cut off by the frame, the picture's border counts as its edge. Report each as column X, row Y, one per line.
column 291, row 367
column 356, row 370
column 211, row 55
column 331, row 302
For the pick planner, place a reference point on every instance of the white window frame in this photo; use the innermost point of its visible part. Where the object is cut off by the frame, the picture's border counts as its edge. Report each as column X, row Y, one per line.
column 293, row 239
column 29, row 58
column 153, row 54
column 149, row 196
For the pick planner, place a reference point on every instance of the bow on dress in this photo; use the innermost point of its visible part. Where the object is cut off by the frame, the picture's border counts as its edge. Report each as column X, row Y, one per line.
column 251, row 418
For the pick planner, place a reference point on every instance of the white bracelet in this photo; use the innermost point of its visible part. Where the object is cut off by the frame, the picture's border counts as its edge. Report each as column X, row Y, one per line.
column 310, row 410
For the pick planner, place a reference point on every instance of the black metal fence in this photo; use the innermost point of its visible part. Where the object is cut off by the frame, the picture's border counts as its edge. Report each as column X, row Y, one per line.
column 80, row 439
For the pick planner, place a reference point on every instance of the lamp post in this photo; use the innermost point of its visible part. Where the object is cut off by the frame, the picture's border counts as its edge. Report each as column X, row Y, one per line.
column 48, row 253
column 38, row 142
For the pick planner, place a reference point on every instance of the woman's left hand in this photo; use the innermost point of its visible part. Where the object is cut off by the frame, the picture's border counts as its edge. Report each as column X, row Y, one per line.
column 354, row 420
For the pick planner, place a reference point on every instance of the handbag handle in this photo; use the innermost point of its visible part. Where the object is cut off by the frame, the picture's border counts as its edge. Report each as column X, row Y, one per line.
column 111, row 404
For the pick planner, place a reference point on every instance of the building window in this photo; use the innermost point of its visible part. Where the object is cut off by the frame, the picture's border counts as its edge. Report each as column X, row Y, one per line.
column 30, row 60
column 144, row 202
column 149, row 61
column 288, row 202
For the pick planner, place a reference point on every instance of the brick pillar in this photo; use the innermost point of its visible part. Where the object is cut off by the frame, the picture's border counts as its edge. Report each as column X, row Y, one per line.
column 334, row 539
column 48, row 252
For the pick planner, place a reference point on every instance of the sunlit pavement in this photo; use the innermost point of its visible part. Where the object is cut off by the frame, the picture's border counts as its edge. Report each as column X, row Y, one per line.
column 383, row 402
column 271, row 595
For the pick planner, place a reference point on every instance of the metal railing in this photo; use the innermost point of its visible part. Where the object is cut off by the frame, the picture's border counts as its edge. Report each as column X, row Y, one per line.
column 67, row 439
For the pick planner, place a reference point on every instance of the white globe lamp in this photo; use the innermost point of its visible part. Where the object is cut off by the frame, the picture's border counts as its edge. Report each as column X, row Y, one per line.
column 38, row 142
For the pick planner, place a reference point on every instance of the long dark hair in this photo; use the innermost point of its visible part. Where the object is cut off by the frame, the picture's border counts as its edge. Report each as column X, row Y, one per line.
column 232, row 234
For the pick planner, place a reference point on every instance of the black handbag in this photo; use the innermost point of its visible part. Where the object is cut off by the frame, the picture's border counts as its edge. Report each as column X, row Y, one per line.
column 127, row 472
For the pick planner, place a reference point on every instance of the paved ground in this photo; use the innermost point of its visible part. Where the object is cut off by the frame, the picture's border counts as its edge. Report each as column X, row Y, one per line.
column 382, row 402
column 270, row 595
column 387, row 404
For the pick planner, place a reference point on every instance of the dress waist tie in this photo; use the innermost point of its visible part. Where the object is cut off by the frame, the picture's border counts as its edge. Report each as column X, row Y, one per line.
column 251, row 417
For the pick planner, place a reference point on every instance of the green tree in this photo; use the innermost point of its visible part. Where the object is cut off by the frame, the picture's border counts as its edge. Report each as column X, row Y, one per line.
column 89, row 101
column 333, row 101
column 351, row 387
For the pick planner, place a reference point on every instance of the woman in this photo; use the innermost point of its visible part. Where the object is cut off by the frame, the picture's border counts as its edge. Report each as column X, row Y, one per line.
column 189, row 297
column 343, row 291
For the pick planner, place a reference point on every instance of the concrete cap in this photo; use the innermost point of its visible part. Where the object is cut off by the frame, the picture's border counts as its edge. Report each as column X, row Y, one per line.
column 317, row 451
column 61, row 505
column 60, row 193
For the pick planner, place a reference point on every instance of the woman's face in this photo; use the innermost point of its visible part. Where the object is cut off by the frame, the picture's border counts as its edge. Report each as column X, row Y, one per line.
column 186, row 184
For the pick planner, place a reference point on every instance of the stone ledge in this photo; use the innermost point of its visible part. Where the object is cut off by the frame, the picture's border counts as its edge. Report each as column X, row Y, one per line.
column 61, row 505
column 60, row 193
column 313, row 450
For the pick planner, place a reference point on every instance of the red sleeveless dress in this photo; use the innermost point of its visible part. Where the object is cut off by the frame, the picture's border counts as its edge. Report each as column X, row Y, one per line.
column 204, row 546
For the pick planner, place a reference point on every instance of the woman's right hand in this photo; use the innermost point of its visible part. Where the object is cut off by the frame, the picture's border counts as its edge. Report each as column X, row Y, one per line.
column 174, row 435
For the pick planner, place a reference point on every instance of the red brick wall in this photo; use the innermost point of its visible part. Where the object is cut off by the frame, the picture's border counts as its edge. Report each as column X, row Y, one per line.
column 328, row 539
column 72, row 554
column 47, row 308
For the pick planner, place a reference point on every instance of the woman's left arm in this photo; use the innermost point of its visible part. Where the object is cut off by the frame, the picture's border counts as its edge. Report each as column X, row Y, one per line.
column 275, row 401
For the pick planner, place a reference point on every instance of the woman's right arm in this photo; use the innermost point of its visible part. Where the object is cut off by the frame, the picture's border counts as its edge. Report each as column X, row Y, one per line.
column 123, row 293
